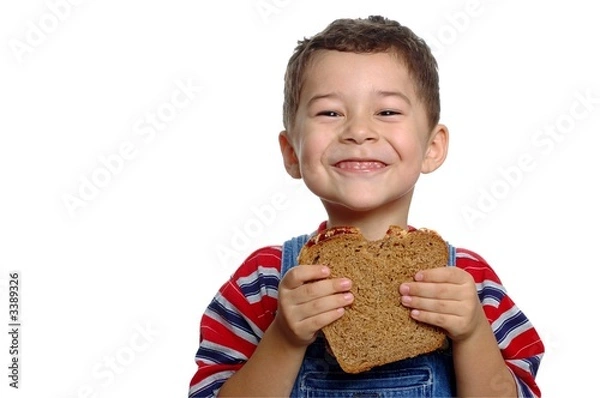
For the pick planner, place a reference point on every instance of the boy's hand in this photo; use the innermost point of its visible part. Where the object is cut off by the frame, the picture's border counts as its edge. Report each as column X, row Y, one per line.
column 445, row 297
column 308, row 301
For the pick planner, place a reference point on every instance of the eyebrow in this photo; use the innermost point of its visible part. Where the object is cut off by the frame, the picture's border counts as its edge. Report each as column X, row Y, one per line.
column 322, row 96
column 394, row 94
column 379, row 93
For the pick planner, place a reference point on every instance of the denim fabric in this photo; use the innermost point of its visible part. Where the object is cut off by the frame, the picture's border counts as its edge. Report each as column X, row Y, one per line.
column 429, row 375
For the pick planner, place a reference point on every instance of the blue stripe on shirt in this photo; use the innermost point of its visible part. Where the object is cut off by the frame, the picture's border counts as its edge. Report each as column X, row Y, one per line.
column 260, row 284
column 490, row 292
column 215, row 356
column 230, row 317
column 509, row 324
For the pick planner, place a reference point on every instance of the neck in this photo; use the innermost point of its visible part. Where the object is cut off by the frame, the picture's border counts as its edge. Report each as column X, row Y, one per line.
column 373, row 224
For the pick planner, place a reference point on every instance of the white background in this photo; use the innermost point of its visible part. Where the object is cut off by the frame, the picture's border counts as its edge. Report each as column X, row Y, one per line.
column 126, row 276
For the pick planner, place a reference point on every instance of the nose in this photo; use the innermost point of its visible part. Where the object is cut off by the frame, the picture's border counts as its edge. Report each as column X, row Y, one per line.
column 358, row 130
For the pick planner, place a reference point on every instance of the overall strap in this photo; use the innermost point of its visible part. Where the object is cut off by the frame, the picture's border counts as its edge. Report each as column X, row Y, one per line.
column 451, row 255
column 291, row 251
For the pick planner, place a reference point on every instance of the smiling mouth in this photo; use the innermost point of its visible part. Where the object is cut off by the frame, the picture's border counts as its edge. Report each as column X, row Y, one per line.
column 365, row 165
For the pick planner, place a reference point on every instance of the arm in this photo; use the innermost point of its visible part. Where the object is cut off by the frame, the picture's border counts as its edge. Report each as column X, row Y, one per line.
column 233, row 323
column 235, row 356
column 496, row 350
column 479, row 366
column 447, row 297
column 271, row 371
column 307, row 302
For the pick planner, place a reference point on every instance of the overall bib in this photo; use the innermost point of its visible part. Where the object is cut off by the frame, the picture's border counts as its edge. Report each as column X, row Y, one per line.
column 320, row 376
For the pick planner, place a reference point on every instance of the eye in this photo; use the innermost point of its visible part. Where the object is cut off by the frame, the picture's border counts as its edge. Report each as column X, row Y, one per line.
column 328, row 113
column 389, row 112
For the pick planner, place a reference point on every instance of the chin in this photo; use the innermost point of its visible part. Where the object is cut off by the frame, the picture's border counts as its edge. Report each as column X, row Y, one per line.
column 367, row 204
column 352, row 206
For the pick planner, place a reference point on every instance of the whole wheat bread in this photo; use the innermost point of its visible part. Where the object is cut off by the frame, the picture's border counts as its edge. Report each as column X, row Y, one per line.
column 376, row 329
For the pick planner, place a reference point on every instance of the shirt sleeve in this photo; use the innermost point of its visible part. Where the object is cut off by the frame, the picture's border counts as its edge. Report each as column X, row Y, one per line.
column 517, row 339
column 235, row 320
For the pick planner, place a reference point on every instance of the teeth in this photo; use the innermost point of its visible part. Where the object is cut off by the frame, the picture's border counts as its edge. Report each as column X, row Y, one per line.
column 355, row 165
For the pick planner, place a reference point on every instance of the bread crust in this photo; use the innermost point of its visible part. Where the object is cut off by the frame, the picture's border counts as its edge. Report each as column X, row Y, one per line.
column 377, row 329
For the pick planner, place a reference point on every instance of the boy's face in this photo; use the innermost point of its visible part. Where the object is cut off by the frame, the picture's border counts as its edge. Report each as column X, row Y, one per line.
column 361, row 137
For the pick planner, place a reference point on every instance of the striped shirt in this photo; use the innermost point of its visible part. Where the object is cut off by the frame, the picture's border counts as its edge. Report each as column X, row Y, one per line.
column 244, row 307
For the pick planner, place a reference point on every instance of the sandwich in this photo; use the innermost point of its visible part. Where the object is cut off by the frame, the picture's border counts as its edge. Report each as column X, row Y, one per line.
column 376, row 328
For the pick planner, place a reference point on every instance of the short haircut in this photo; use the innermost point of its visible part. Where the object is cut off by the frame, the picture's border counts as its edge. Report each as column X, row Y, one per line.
column 374, row 34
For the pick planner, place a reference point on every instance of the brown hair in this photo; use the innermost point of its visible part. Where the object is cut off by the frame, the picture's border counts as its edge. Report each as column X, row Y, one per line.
column 372, row 35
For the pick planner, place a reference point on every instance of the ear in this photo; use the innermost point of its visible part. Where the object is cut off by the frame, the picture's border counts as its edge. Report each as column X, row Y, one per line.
column 290, row 160
column 437, row 149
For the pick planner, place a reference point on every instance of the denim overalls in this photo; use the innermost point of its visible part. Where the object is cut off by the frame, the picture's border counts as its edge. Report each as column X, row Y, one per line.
column 429, row 375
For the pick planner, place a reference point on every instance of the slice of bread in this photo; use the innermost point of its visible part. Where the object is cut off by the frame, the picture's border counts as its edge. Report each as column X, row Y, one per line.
column 377, row 329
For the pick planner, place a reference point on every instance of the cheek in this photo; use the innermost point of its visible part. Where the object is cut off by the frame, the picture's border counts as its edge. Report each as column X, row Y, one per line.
column 312, row 150
column 409, row 147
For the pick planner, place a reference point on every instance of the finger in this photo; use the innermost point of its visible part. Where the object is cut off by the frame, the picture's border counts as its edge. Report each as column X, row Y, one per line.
column 444, row 274
column 442, row 283
column 440, row 291
column 323, row 305
column 322, row 288
column 448, row 307
column 297, row 276
column 444, row 321
column 319, row 321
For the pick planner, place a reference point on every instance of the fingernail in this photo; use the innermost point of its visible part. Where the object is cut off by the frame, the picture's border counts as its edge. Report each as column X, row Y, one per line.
column 348, row 296
column 419, row 276
column 345, row 283
column 404, row 288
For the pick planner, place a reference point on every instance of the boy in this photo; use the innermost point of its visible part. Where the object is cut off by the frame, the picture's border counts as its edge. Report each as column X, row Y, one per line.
column 361, row 124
